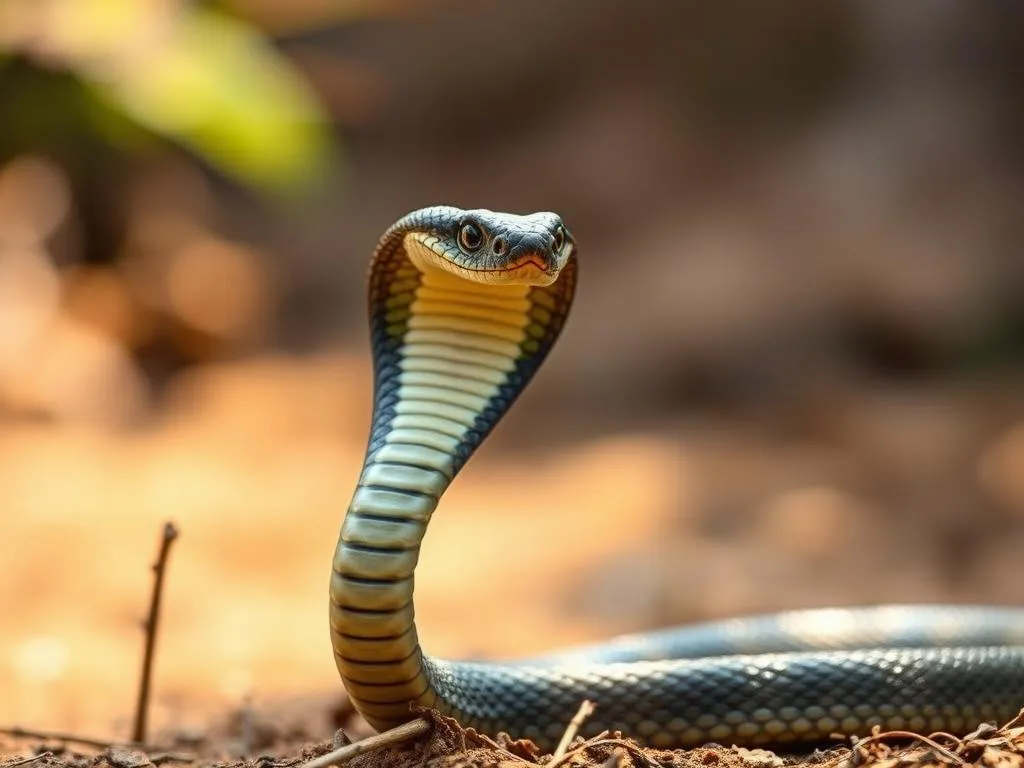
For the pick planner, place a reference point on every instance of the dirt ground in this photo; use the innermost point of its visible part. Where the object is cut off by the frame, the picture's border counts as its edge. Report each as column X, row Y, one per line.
column 640, row 530
column 244, row 445
column 448, row 745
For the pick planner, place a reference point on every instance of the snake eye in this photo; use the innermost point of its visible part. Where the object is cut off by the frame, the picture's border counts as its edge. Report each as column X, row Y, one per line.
column 558, row 239
column 470, row 237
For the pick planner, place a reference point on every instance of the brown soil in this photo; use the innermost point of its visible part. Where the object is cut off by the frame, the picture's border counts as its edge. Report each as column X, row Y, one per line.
column 740, row 520
column 448, row 745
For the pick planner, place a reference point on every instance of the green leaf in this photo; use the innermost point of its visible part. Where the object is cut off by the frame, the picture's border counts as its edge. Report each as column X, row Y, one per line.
column 215, row 85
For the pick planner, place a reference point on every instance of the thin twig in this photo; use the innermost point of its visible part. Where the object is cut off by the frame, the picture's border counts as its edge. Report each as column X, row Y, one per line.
column 600, row 741
column 1016, row 722
column 159, row 758
column 916, row 737
column 28, row 733
column 70, row 738
column 495, row 745
column 958, row 741
column 409, row 730
column 159, row 568
column 27, row 760
column 586, row 710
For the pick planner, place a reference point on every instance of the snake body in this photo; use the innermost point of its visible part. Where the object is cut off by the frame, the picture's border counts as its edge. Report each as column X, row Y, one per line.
column 463, row 308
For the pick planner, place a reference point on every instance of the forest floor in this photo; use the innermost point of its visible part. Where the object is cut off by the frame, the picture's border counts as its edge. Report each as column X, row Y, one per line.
column 918, row 493
column 281, row 742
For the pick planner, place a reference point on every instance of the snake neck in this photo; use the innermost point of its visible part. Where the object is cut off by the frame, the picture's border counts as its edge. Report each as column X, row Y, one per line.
column 450, row 357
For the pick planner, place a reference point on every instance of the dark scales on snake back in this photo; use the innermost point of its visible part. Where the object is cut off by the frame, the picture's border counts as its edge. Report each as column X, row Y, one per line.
column 464, row 306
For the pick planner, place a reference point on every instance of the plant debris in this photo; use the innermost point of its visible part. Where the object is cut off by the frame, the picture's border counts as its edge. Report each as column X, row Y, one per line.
column 446, row 744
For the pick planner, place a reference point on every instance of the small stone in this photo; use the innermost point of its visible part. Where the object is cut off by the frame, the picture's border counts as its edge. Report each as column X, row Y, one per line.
column 123, row 757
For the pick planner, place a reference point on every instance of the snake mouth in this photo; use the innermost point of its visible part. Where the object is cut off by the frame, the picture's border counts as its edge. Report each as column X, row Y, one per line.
column 531, row 262
column 532, row 269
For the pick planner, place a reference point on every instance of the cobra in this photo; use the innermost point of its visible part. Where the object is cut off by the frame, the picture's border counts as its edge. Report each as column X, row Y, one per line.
column 464, row 305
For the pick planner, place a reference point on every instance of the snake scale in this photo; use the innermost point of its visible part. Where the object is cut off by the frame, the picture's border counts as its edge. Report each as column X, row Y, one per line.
column 464, row 305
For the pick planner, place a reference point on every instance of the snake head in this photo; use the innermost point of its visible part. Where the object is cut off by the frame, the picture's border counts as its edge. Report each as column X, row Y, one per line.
column 488, row 247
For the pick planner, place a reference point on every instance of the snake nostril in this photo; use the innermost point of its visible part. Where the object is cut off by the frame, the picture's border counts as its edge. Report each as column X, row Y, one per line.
column 499, row 246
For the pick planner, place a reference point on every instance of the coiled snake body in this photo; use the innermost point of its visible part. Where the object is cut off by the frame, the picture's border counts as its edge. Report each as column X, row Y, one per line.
column 463, row 307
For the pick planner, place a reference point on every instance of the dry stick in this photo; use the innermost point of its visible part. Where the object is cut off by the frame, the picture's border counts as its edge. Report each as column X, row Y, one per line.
column 1016, row 722
column 586, row 710
column 399, row 733
column 600, row 741
column 930, row 740
column 927, row 740
column 159, row 568
column 71, row 738
column 496, row 746
column 26, row 760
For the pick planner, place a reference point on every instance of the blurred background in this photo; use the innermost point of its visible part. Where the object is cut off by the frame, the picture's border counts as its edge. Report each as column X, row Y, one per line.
column 793, row 376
